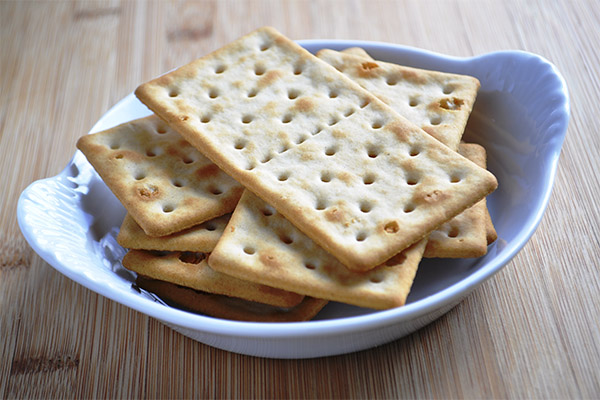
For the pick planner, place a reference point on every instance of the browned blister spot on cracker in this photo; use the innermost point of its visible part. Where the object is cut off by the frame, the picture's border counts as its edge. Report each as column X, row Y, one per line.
column 338, row 134
column 269, row 77
column 303, row 104
column 208, row 171
column 451, row 103
column 365, row 68
column 148, row 192
column 269, row 109
column 414, row 76
column 432, row 197
column 401, row 131
column 345, row 177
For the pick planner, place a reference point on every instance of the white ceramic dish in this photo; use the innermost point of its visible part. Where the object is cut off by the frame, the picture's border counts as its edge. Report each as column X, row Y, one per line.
column 520, row 116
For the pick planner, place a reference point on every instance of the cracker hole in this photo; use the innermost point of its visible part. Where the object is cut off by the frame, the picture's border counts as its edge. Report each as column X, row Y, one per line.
column 413, row 102
column 377, row 124
column 250, row 166
column 317, row 130
column 114, row 146
column 321, row 205
column 293, row 94
column 252, row 93
column 333, row 94
column 391, row 81
column 151, row 153
column 369, row 179
column 453, row 232
column 364, row 103
column 213, row 93
column 119, row 156
column 284, row 176
column 376, row 279
column 310, row 266
column 287, row 118
column 205, row 119
column 187, row 160
column 373, row 151
column 177, row 183
column 267, row 212
column 161, row 130
column 366, row 206
column 298, row 69
column 412, row 180
column 413, row 152
column 168, row 208
column 283, row 149
column 139, row 176
column 435, row 120
column 349, row 112
column 326, row 177
column 333, row 121
column 249, row 250
column 265, row 46
column 301, row 139
column 330, row 151
column 259, row 69
column 286, row 239
column 211, row 227
column 409, row 208
column 448, row 89
column 215, row 190
column 361, row 236
column 455, row 178
column 266, row 158
column 173, row 93
column 246, row 119
column 239, row 144
column 220, row 69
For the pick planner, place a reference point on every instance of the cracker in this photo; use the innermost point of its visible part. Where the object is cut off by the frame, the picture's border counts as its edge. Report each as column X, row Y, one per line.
column 200, row 238
column 491, row 231
column 191, row 270
column 438, row 102
column 465, row 235
column 357, row 51
column 260, row 245
column 357, row 178
column 165, row 184
column 225, row 307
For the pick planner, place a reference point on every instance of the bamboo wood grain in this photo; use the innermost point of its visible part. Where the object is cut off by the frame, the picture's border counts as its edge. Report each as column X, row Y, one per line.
column 531, row 331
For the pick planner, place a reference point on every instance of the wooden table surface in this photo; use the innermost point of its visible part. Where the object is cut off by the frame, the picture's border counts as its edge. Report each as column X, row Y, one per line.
column 533, row 330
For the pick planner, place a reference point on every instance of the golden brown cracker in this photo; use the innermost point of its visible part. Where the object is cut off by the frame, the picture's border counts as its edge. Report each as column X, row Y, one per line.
column 260, row 245
column 200, row 238
column 220, row 306
column 165, row 184
column 360, row 180
column 191, row 270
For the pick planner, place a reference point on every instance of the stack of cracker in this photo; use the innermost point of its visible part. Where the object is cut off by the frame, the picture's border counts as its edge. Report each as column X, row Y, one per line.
column 340, row 173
